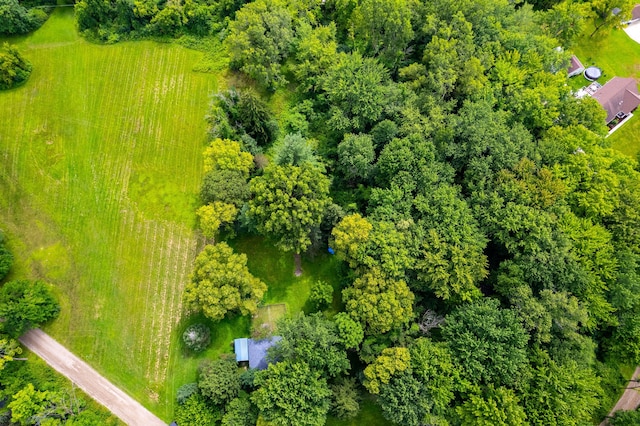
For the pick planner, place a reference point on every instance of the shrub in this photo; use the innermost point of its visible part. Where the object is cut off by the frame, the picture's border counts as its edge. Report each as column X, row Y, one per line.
column 6, row 259
column 185, row 391
column 197, row 337
column 321, row 294
column 14, row 69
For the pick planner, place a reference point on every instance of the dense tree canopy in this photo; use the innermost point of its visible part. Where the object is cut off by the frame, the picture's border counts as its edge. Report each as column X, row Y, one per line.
column 221, row 284
column 288, row 203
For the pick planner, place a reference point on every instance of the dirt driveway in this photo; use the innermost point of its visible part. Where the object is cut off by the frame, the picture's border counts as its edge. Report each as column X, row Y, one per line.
column 630, row 399
column 119, row 403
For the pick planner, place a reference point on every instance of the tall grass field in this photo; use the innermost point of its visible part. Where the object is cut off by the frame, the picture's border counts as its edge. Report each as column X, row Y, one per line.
column 101, row 160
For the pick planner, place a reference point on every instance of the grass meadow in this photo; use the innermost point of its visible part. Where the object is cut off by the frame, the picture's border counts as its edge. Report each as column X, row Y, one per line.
column 101, row 155
column 617, row 55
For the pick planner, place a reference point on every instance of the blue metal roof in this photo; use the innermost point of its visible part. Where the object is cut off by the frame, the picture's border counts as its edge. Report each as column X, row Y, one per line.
column 241, row 348
column 258, row 351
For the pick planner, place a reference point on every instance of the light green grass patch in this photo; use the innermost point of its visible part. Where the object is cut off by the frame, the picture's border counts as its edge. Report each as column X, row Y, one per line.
column 627, row 138
column 276, row 269
column 264, row 322
column 101, row 163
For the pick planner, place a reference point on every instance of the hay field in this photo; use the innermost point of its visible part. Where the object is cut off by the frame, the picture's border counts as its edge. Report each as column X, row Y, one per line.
column 100, row 163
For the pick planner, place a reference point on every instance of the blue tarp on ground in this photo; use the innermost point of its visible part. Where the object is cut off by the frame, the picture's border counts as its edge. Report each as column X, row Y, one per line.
column 241, row 348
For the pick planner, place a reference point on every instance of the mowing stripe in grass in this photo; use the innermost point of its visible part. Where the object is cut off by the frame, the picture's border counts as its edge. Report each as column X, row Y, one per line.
column 101, row 153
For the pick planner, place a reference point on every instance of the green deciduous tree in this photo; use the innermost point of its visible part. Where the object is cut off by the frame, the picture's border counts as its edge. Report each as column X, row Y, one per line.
column 488, row 342
column 450, row 258
column 14, row 68
column 196, row 412
column 240, row 412
column 378, row 302
column 288, row 203
column 28, row 403
column 345, row 399
column 355, row 89
column 213, row 215
column 222, row 284
column 492, row 407
column 356, row 156
column 219, row 380
column 25, row 304
column 9, row 348
column 226, row 186
column 260, row 39
column 313, row 340
column 315, row 52
column 292, row 394
column 561, row 394
column 392, row 361
column 383, row 28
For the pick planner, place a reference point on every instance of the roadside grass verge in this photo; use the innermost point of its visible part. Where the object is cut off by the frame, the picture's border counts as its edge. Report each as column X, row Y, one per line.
column 101, row 163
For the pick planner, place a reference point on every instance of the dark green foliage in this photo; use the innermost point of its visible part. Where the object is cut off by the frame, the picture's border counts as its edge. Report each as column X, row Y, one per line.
column 219, row 380
column 260, row 39
column 237, row 114
column 356, row 156
column 314, row 340
column 294, row 150
column 197, row 337
column 16, row 19
column 196, row 412
column 560, row 394
column 240, row 412
column 402, row 400
column 25, row 304
column 228, row 186
column 345, row 399
column 185, row 391
column 488, row 342
column 292, row 394
column 321, row 294
column 14, row 68
column 355, row 89
column 625, row 418
column 6, row 258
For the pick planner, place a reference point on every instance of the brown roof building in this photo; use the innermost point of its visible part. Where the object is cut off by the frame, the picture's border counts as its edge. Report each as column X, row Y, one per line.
column 618, row 97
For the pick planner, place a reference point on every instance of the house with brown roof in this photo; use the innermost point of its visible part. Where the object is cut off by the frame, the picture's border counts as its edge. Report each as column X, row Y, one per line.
column 619, row 97
column 635, row 15
column 575, row 66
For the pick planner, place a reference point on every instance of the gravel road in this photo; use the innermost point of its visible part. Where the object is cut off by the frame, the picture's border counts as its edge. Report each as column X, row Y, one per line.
column 59, row 358
column 630, row 399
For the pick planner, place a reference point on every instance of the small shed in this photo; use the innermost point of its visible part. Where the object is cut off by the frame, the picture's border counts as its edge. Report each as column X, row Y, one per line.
column 575, row 66
column 241, row 348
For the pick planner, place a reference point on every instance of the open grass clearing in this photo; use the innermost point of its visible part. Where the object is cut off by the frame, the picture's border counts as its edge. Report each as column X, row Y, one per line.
column 264, row 322
column 102, row 160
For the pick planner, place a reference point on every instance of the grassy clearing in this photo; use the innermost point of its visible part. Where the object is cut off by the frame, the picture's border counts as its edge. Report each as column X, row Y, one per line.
column 102, row 159
column 265, row 321
column 276, row 269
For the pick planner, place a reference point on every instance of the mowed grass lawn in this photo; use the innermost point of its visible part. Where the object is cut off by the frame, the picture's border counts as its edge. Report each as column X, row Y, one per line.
column 617, row 55
column 101, row 161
